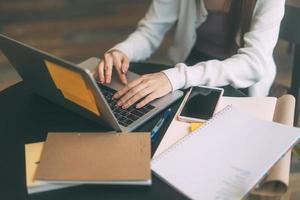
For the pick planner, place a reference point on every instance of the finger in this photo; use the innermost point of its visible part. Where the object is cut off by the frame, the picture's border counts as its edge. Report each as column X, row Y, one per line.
column 122, row 76
column 101, row 71
column 148, row 99
column 141, row 94
column 125, row 64
column 108, row 63
column 127, row 88
column 118, row 64
column 131, row 93
column 116, row 60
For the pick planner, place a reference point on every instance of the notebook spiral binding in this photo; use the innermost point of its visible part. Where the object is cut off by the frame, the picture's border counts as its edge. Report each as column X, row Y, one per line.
column 181, row 141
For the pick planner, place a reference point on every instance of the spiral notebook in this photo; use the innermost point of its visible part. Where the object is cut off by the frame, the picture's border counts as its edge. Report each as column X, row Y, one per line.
column 279, row 110
column 226, row 157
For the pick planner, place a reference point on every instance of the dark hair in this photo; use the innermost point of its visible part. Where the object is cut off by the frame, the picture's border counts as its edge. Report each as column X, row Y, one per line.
column 240, row 17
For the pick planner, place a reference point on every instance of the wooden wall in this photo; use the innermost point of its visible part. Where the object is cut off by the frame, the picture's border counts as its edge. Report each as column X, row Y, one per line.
column 71, row 29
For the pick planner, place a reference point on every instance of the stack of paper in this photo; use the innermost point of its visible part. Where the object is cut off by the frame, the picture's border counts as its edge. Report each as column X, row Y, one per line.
column 32, row 155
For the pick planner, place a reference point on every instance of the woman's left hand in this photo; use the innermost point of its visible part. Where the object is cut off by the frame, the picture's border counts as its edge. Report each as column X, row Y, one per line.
column 149, row 87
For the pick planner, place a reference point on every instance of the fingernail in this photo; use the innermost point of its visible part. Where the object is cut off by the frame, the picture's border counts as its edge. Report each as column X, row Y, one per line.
column 138, row 106
column 119, row 103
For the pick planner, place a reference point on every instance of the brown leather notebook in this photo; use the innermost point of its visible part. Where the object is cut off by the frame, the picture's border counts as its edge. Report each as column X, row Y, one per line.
column 108, row 158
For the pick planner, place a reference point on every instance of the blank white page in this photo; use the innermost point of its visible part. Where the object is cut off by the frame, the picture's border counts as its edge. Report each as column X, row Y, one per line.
column 260, row 107
column 226, row 157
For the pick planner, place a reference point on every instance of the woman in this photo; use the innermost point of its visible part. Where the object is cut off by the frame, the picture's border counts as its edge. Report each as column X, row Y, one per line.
column 216, row 43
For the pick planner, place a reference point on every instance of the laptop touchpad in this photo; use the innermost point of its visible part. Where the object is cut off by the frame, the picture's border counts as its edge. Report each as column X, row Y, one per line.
column 116, row 83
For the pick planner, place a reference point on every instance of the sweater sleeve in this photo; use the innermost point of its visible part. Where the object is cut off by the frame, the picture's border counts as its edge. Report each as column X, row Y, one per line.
column 251, row 62
column 150, row 31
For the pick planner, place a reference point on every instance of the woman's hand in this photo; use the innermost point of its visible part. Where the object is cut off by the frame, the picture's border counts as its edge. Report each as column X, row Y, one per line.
column 149, row 87
column 113, row 58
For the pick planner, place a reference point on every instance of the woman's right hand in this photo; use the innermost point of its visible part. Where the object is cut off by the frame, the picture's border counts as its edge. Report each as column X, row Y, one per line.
column 113, row 58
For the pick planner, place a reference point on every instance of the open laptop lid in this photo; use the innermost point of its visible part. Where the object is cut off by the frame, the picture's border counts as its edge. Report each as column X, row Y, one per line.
column 59, row 81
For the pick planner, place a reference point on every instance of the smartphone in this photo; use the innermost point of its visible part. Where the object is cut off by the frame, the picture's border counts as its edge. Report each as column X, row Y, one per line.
column 200, row 104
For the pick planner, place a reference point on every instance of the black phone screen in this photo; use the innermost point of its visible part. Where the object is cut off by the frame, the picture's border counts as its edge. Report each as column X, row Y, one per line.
column 201, row 103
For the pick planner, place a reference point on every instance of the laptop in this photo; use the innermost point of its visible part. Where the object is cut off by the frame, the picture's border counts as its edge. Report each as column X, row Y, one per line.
column 74, row 87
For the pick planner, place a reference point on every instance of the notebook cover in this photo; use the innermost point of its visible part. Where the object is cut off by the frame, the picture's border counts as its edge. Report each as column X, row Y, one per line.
column 93, row 157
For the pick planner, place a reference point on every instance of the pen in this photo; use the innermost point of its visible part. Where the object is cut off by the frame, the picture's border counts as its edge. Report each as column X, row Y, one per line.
column 159, row 124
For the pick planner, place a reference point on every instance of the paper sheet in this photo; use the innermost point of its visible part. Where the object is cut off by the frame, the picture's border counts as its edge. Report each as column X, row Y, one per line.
column 32, row 154
column 195, row 126
column 72, row 86
column 261, row 107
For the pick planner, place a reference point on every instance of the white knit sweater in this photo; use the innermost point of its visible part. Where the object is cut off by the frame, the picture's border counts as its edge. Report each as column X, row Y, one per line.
column 252, row 67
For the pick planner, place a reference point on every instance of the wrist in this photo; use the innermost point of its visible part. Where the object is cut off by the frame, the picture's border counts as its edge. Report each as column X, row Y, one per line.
column 122, row 49
column 176, row 77
column 166, row 82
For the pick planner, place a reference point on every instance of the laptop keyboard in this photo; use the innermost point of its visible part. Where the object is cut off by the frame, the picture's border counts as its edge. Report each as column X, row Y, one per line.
column 127, row 116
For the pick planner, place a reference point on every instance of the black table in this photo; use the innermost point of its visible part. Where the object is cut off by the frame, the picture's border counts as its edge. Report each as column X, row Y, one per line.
column 26, row 117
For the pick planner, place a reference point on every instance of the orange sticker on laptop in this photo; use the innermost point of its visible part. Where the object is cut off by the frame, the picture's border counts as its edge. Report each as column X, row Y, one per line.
column 72, row 86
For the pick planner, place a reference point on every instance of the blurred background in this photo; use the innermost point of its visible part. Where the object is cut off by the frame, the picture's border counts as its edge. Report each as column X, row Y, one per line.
column 71, row 29
column 78, row 29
